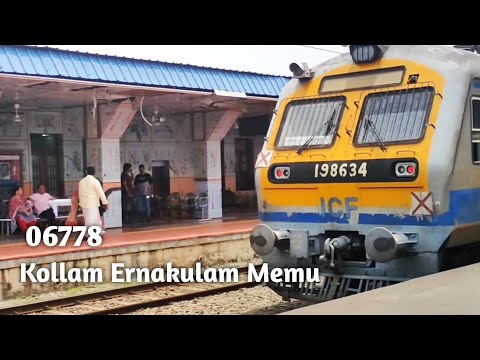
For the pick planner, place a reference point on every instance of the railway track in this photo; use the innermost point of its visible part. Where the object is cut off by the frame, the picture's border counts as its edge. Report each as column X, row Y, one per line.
column 126, row 300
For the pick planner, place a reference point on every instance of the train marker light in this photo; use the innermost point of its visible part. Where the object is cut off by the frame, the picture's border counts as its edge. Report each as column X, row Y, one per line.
column 282, row 173
column 364, row 54
column 405, row 169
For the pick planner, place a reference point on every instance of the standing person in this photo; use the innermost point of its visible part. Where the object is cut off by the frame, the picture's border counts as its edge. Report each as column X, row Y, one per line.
column 41, row 203
column 101, row 208
column 20, row 211
column 89, row 193
column 143, row 182
column 127, row 192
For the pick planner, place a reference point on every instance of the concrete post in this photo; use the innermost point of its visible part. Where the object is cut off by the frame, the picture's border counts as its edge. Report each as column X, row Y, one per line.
column 103, row 149
column 217, row 128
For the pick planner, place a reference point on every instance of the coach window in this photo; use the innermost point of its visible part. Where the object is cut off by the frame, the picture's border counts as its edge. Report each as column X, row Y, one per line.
column 312, row 121
column 476, row 130
column 394, row 117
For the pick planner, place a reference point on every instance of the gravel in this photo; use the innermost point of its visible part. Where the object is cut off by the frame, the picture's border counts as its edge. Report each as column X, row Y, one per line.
column 258, row 300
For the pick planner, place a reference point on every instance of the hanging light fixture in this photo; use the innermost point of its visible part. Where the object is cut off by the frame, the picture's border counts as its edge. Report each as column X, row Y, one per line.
column 94, row 108
column 156, row 119
column 17, row 117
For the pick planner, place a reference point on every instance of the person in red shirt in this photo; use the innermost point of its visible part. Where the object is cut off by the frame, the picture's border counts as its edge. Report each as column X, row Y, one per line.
column 20, row 211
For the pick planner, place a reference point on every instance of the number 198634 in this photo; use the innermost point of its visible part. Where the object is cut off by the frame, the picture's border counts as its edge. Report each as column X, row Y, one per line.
column 49, row 237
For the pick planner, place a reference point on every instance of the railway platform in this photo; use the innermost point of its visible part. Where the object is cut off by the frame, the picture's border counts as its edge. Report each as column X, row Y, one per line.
column 214, row 243
column 453, row 292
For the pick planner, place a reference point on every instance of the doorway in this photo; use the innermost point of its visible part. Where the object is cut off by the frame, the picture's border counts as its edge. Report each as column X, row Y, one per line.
column 161, row 178
column 47, row 163
column 244, row 166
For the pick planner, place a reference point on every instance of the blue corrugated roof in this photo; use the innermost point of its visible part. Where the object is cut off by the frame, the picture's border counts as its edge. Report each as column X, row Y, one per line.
column 55, row 63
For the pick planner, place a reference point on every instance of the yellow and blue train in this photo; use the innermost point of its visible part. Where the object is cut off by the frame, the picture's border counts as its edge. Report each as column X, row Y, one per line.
column 370, row 171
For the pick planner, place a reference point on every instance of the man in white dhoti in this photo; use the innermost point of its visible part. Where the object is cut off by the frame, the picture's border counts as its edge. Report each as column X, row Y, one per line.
column 89, row 193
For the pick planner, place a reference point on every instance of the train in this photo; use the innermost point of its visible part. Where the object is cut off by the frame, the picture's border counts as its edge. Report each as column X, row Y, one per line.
column 370, row 170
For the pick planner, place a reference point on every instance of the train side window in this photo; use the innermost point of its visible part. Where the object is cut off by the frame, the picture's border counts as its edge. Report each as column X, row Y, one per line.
column 476, row 130
column 476, row 113
column 476, row 153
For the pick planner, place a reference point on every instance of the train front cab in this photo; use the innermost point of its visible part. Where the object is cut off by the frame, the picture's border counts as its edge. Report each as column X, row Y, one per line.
column 356, row 200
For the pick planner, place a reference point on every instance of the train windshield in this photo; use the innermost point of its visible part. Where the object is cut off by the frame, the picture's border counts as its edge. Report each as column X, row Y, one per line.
column 394, row 117
column 304, row 118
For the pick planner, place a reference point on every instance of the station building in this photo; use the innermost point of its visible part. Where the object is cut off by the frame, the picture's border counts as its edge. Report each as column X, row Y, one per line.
column 197, row 130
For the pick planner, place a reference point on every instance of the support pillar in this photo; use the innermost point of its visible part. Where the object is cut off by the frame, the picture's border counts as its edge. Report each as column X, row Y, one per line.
column 103, row 150
column 216, row 129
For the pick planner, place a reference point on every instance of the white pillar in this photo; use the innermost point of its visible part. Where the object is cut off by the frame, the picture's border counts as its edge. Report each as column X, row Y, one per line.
column 103, row 151
column 213, row 163
column 214, row 179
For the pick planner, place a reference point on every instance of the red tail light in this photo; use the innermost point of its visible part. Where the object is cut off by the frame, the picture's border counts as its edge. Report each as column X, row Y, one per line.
column 406, row 169
column 282, row 173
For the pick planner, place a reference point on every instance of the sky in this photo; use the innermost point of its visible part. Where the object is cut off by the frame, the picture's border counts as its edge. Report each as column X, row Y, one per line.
column 266, row 59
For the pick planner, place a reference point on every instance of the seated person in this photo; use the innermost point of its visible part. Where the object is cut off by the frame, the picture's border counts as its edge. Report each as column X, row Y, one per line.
column 20, row 211
column 42, row 206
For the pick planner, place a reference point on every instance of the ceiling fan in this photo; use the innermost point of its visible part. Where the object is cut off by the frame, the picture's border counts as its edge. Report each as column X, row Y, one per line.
column 14, row 103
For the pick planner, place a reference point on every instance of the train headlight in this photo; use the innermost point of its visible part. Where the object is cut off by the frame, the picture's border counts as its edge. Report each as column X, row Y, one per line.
column 282, row 172
column 364, row 54
column 406, row 169
column 301, row 72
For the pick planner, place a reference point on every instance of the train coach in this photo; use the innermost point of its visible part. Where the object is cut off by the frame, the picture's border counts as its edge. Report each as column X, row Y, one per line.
column 370, row 170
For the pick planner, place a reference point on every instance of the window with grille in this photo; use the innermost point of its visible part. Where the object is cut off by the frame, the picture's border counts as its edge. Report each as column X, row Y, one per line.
column 305, row 118
column 47, row 163
column 476, row 130
column 394, row 117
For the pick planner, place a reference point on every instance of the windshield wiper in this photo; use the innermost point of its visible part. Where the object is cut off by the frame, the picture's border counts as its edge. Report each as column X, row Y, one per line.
column 328, row 125
column 370, row 125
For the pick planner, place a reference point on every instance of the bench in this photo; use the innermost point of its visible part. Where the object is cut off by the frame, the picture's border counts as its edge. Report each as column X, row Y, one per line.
column 55, row 204
column 6, row 223
column 190, row 203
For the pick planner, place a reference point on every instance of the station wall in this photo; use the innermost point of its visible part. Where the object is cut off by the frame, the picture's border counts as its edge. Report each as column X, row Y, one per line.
column 178, row 140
